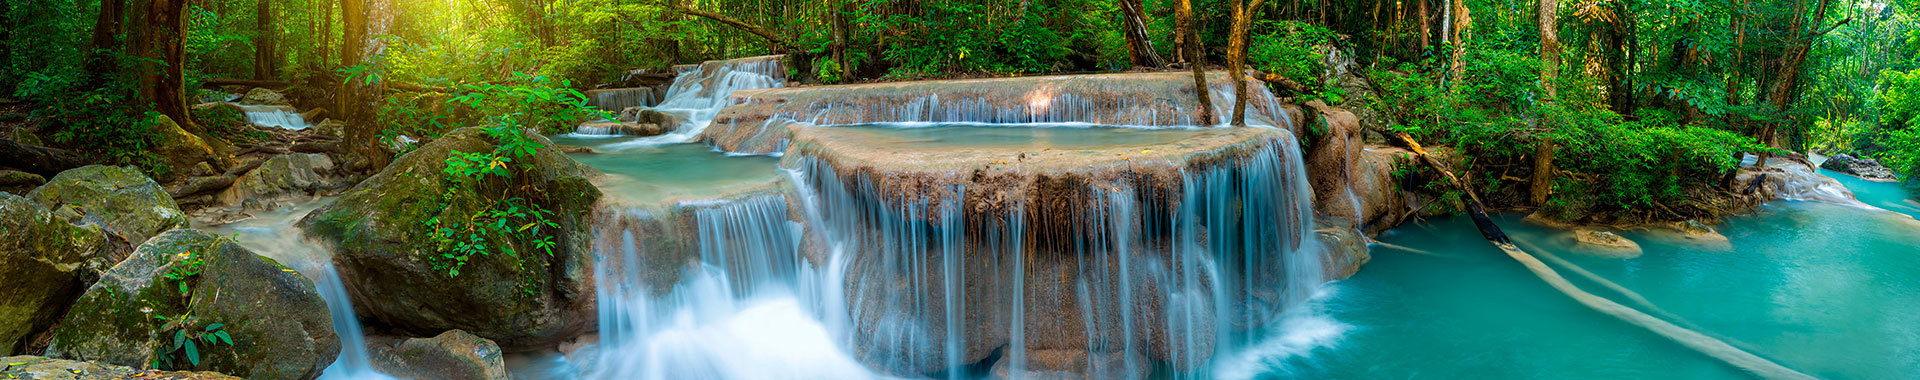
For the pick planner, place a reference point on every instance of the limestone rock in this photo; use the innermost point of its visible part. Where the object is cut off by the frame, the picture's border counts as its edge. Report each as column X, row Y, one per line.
column 264, row 97
column 41, row 368
column 279, row 325
column 279, row 179
column 453, row 354
column 394, row 269
column 643, row 115
column 44, row 264
column 127, row 203
column 625, row 129
column 1695, row 233
column 1859, row 167
column 1606, row 243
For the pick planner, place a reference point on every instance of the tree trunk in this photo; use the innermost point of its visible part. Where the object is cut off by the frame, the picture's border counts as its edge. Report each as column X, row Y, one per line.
column 840, row 14
column 161, row 44
column 37, row 160
column 1139, row 46
column 103, row 54
column 356, row 97
column 264, row 59
column 1462, row 19
column 1549, row 71
column 1195, row 60
column 781, row 43
column 1237, row 57
column 1780, row 96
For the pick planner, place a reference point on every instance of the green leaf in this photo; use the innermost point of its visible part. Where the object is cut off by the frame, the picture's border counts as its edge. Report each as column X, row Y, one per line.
column 193, row 354
column 179, row 338
column 215, row 326
column 224, row 337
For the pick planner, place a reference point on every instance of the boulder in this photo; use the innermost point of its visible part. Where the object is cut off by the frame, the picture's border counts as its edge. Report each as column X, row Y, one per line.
column 399, row 278
column 44, row 264
column 189, row 281
column 645, row 115
column 1859, row 167
column 453, row 354
column 264, row 97
column 124, row 201
column 42, row 368
column 331, row 127
column 180, row 149
column 279, row 179
column 624, row 129
column 1606, row 243
column 19, row 182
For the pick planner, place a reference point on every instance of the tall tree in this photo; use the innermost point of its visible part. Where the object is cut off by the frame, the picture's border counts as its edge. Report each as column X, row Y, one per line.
column 1139, row 46
column 1549, row 71
column 161, row 45
column 1190, row 36
column 1800, row 38
column 103, row 54
column 265, row 61
column 1237, row 56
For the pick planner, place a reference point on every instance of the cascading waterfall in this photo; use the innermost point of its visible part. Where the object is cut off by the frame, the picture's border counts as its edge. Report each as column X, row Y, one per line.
column 745, row 310
column 615, row 100
column 272, row 235
column 1055, row 106
column 274, row 116
column 699, row 92
column 1171, row 278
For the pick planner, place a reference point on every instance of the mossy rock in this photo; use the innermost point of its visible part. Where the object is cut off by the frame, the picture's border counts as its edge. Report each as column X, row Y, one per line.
column 124, row 201
column 279, row 178
column 42, row 368
column 279, row 325
column 393, row 268
column 264, row 97
column 44, row 264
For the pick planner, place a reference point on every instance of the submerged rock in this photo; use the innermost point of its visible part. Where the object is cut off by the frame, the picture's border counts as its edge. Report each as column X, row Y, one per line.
column 45, row 262
column 188, row 281
column 396, row 272
column 123, row 200
column 41, row 368
column 1859, row 167
column 1606, row 243
column 453, row 354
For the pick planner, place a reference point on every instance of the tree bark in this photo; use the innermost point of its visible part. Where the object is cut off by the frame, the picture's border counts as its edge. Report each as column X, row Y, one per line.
column 1237, row 57
column 161, row 44
column 1462, row 19
column 1195, row 60
column 1542, row 183
column 356, row 97
column 1139, row 46
column 103, row 54
column 265, row 61
column 1780, row 95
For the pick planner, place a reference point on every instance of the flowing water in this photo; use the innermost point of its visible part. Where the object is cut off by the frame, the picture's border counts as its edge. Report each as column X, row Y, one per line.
column 1824, row 289
column 275, row 116
column 272, row 234
column 699, row 92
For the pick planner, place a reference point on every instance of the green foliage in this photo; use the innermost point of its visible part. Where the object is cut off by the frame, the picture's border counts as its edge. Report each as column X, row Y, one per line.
column 460, row 235
column 1293, row 49
column 1648, row 164
column 531, row 101
column 189, row 341
column 98, row 119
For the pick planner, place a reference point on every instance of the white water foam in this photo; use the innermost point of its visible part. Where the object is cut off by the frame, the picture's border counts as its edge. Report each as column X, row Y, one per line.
column 1297, row 333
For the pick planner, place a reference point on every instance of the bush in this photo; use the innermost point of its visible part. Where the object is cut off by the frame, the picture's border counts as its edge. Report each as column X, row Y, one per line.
column 1644, row 165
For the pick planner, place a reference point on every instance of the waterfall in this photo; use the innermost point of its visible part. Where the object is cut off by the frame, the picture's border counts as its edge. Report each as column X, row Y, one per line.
column 618, row 99
column 1063, row 104
column 1151, row 275
column 274, row 116
column 699, row 92
column 353, row 362
column 271, row 234
column 746, row 307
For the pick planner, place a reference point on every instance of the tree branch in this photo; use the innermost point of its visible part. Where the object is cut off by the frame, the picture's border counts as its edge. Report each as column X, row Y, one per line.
column 781, row 41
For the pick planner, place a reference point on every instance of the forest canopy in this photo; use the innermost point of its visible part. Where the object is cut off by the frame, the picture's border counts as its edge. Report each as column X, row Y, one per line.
column 1595, row 104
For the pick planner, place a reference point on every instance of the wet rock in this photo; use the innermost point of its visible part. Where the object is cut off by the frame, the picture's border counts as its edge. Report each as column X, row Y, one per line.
column 264, row 97
column 398, row 278
column 279, row 180
column 625, row 129
column 1332, row 164
column 189, row 280
column 643, row 115
column 1071, row 365
column 575, row 149
column 41, row 368
column 453, row 354
column 125, row 202
column 1692, row 232
column 45, row 262
column 1606, row 243
column 1859, row 167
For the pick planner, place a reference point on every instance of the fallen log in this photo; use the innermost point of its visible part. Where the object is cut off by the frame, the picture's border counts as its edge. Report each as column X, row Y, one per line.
column 37, row 159
column 1753, row 364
